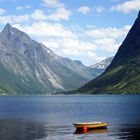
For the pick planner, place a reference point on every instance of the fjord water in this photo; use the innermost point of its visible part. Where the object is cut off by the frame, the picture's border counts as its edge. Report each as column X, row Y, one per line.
column 51, row 117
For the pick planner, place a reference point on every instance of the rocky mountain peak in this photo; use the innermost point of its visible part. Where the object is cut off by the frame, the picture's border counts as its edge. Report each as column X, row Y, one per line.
column 7, row 29
column 19, row 40
column 34, row 68
column 7, row 26
column 103, row 64
column 10, row 32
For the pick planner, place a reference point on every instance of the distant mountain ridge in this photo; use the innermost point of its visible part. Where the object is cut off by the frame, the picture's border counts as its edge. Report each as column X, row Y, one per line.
column 123, row 74
column 100, row 67
column 29, row 67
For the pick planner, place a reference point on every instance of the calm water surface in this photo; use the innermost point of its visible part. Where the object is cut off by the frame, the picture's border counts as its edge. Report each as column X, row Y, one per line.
column 51, row 117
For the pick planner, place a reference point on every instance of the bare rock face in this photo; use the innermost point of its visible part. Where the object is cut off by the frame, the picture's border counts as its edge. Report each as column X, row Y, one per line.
column 29, row 67
column 101, row 66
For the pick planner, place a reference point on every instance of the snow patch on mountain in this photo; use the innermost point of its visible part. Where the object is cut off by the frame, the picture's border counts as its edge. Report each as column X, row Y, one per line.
column 103, row 64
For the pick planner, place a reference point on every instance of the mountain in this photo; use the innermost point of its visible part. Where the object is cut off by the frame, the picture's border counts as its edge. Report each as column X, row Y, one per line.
column 123, row 74
column 100, row 67
column 29, row 67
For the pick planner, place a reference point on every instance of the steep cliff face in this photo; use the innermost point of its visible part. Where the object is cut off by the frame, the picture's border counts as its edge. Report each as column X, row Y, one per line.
column 29, row 67
column 130, row 47
column 123, row 74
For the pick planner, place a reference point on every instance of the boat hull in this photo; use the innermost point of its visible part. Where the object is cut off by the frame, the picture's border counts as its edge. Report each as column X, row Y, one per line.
column 91, row 125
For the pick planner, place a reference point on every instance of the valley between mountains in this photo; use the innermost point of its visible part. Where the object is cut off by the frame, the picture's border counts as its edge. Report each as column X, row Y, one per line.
column 30, row 68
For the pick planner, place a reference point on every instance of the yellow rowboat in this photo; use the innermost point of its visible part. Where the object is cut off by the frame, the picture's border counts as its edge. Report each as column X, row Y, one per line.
column 90, row 125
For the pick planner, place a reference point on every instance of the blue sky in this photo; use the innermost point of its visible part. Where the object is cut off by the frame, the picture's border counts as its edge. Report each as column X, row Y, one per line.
column 86, row 30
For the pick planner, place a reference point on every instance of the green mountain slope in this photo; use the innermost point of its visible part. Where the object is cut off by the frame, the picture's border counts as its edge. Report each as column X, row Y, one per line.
column 11, row 84
column 123, row 74
column 28, row 67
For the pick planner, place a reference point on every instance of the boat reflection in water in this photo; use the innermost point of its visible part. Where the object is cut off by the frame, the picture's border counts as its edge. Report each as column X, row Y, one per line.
column 92, row 131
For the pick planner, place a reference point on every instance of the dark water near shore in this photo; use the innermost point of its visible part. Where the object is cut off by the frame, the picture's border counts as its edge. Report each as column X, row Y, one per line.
column 51, row 117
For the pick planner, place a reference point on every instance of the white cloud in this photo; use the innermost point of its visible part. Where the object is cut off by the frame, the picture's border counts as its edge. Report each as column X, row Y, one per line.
column 67, row 42
column 93, row 58
column 108, row 32
column 108, row 39
column 84, row 10
column 61, row 40
column 60, row 14
column 99, row 9
column 59, row 10
column 44, row 29
column 107, row 44
column 127, row 7
column 53, row 3
column 76, row 48
column 14, row 19
column 23, row 7
column 89, row 44
column 72, row 42
column 38, row 15
column 77, row 44
column 2, row 11
column 51, row 44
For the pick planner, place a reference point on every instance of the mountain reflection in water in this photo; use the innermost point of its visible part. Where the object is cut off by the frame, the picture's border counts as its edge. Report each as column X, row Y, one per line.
column 16, row 129
column 127, row 132
column 51, row 118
